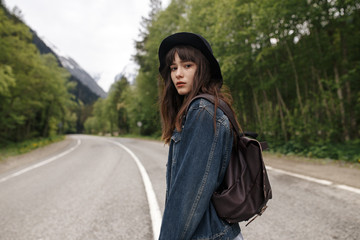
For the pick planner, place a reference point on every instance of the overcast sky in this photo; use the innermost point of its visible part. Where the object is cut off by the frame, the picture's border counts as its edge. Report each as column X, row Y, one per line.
column 98, row 34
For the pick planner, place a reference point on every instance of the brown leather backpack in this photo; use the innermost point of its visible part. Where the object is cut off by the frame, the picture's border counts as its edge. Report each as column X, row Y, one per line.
column 245, row 189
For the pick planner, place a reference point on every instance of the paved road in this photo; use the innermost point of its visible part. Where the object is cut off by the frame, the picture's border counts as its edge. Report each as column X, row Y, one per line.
column 94, row 190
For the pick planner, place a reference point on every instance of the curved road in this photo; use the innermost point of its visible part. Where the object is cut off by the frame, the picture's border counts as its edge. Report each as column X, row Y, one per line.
column 93, row 189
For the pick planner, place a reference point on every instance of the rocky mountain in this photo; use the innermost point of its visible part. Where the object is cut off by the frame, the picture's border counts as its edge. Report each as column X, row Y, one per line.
column 87, row 90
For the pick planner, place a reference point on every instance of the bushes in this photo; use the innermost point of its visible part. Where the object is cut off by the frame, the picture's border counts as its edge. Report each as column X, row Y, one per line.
column 337, row 151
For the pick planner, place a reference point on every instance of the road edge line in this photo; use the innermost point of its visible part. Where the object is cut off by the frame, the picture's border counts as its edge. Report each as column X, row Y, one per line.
column 39, row 164
column 348, row 188
column 155, row 212
column 316, row 180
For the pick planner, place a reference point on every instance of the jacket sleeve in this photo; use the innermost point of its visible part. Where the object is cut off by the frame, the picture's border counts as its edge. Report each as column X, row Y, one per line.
column 201, row 152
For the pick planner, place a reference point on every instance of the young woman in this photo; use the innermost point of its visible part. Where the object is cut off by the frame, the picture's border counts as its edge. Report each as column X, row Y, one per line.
column 200, row 137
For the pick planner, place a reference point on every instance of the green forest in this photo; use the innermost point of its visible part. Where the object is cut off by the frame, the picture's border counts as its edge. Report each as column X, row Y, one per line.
column 292, row 67
column 34, row 91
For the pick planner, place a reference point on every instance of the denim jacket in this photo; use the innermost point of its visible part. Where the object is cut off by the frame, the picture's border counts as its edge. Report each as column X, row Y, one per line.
column 198, row 157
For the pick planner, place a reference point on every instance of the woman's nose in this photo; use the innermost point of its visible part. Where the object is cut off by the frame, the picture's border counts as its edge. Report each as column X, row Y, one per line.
column 179, row 72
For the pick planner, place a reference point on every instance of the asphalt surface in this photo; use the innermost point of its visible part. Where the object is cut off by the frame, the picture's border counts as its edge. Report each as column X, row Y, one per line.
column 95, row 191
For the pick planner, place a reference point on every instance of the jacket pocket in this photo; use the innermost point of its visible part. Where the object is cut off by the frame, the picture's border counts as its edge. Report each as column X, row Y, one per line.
column 175, row 141
column 176, row 137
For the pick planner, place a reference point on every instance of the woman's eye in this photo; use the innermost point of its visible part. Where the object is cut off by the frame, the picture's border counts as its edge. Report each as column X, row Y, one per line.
column 188, row 65
column 173, row 68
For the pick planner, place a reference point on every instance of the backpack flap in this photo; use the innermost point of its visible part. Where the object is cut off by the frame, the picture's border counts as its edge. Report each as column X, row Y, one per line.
column 246, row 188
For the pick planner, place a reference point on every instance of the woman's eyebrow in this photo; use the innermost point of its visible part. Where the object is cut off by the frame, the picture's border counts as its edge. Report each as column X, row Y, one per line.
column 181, row 61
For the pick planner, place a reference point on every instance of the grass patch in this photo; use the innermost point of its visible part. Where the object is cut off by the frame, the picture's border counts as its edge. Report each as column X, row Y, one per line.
column 13, row 149
column 348, row 152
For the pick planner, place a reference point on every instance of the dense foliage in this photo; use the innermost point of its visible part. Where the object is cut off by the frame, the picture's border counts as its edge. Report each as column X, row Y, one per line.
column 293, row 67
column 111, row 115
column 34, row 91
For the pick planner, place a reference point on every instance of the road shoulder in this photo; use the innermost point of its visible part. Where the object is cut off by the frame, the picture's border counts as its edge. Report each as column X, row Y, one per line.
column 14, row 162
column 337, row 172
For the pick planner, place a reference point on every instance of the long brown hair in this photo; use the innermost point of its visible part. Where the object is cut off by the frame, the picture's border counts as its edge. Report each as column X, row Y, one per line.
column 173, row 105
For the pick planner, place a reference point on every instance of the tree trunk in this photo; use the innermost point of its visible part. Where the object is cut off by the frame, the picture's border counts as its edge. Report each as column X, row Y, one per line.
column 322, row 95
column 45, row 124
column 281, row 106
column 257, row 109
column 279, row 97
column 295, row 76
column 331, row 98
column 349, row 109
column 341, row 103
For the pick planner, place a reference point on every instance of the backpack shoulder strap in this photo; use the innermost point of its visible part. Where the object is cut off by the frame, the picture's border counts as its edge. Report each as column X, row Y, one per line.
column 228, row 112
column 224, row 107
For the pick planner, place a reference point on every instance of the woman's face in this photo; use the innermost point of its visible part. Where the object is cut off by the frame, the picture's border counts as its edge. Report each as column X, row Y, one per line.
column 182, row 74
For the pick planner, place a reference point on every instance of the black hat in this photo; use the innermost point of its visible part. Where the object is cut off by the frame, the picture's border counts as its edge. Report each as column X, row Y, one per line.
column 194, row 40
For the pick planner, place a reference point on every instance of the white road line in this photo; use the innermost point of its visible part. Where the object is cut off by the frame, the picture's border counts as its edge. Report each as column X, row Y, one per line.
column 32, row 167
column 155, row 212
column 316, row 180
column 311, row 179
column 348, row 188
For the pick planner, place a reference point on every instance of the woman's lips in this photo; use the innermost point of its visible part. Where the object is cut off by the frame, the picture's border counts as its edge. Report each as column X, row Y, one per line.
column 180, row 84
